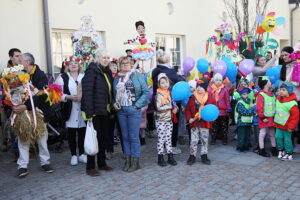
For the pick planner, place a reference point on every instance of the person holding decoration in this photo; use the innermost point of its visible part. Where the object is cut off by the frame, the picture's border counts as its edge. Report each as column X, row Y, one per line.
column 286, row 120
column 265, row 105
column 244, row 112
column 163, row 120
column 261, row 66
column 221, row 95
column 199, row 127
column 75, row 124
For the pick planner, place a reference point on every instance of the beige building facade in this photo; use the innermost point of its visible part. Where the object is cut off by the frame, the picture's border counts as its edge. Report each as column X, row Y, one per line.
column 180, row 26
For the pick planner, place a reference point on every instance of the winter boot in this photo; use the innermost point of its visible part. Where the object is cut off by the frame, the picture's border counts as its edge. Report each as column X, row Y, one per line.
column 205, row 160
column 161, row 162
column 191, row 160
column 135, row 165
column 171, row 160
column 274, row 151
column 127, row 164
column 262, row 152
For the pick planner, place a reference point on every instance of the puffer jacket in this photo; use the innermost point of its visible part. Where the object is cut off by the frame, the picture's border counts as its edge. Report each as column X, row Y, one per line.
column 163, row 111
column 140, row 89
column 96, row 96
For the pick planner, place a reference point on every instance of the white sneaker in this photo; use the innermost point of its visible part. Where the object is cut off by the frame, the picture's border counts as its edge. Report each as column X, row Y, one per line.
column 74, row 160
column 287, row 157
column 82, row 158
column 297, row 148
column 280, row 154
column 176, row 150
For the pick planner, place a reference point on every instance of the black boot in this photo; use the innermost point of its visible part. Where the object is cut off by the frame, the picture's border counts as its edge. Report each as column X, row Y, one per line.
column 171, row 160
column 143, row 141
column 161, row 162
column 191, row 160
column 274, row 151
column 262, row 152
column 205, row 160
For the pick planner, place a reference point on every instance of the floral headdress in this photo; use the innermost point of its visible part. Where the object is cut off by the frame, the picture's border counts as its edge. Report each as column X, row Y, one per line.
column 72, row 58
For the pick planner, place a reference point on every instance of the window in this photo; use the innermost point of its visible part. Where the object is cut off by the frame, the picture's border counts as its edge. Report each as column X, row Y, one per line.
column 173, row 44
column 62, row 47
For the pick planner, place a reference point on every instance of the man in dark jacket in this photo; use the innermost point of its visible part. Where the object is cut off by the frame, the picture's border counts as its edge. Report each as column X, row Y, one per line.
column 39, row 80
column 96, row 102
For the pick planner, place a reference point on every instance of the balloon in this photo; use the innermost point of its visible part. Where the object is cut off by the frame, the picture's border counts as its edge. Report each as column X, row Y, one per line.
column 273, row 74
column 192, row 75
column 188, row 64
column 246, row 66
column 202, row 65
column 186, row 100
column 276, row 84
column 226, row 60
column 279, row 67
column 180, row 91
column 231, row 72
column 150, row 96
column 200, row 76
column 219, row 67
column 209, row 113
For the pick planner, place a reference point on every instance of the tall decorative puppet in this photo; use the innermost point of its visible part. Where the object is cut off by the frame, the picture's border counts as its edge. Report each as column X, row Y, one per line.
column 145, row 48
column 86, row 41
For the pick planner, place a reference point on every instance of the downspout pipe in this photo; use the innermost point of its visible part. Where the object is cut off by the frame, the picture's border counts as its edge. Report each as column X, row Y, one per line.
column 292, row 21
column 47, row 37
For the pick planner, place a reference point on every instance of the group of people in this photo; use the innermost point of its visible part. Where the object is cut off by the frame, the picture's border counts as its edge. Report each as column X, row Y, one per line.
column 114, row 95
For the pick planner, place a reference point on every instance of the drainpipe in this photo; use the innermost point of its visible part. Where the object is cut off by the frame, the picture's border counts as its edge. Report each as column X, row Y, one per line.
column 47, row 37
column 292, row 21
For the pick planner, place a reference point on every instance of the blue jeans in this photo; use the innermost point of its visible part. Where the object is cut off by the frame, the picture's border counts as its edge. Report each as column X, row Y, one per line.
column 129, row 119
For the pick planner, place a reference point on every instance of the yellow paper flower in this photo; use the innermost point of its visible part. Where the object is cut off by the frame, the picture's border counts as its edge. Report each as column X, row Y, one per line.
column 24, row 78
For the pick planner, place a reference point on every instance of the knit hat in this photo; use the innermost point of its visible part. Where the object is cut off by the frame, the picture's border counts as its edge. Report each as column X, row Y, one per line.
column 244, row 80
column 217, row 76
column 202, row 83
column 162, row 75
column 288, row 86
column 242, row 90
column 137, row 24
column 288, row 49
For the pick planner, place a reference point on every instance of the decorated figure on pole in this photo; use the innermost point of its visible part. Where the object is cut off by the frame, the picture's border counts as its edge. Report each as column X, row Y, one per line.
column 86, row 41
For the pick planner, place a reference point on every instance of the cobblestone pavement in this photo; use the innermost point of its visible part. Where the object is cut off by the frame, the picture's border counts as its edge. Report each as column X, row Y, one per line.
column 232, row 175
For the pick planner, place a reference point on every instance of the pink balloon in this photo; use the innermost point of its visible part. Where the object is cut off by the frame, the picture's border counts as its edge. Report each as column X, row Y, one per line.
column 246, row 66
column 219, row 67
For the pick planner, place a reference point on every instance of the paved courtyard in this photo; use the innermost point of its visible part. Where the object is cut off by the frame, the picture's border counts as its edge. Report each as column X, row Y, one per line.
column 232, row 175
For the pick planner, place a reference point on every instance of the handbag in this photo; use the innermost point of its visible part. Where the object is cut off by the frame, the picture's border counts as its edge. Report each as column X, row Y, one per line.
column 90, row 140
column 66, row 107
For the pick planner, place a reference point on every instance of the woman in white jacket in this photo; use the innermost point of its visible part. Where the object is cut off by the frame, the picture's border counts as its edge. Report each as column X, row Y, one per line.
column 75, row 123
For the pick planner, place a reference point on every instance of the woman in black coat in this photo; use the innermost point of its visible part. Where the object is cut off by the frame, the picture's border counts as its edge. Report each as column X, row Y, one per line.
column 96, row 103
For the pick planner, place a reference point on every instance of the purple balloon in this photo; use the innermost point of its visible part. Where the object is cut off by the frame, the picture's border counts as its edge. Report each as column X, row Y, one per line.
column 188, row 64
column 219, row 67
column 246, row 66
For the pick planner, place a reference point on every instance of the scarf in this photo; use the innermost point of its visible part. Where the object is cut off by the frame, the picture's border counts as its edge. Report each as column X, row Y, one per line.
column 201, row 98
column 120, row 88
column 166, row 95
column 215, row 90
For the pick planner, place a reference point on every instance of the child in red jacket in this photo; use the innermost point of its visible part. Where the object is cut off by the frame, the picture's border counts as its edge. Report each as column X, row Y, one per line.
column 265, row 106
column 199, row 127
column 286, row 120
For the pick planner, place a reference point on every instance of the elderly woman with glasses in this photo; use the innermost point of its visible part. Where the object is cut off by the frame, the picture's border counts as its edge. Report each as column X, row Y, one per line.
column 74, row 121
column 131, row 94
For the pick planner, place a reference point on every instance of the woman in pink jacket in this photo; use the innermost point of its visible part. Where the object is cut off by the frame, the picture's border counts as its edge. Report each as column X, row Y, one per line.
column 221, row 95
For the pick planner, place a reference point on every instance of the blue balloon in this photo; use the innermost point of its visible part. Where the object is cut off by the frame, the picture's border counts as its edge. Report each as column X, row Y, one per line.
column 279, row 67
column 210, row 113
column 231, row 72
column 180, row 91
column 276, row 84
column 273, row 74
column 185, row 101
column 202, row 65
column 226, row 60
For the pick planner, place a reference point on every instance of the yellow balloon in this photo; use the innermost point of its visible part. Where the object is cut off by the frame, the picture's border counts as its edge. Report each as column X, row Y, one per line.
column 269, row 24
column 192, row 75
column 200, row 76
column 209, row 70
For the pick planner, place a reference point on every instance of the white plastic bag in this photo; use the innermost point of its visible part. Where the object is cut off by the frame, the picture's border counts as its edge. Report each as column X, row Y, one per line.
column 90, row 140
